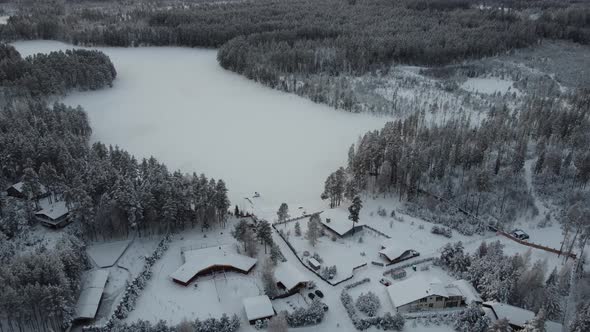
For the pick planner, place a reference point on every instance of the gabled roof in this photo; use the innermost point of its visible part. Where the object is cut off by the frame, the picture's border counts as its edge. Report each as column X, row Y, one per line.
column 258, row 307
column 19, row 187
column 199, row 260
column 418, row 287
column 340, row 226
column 413, row 289
column 467, row 291
column 518, row 316
column 392, row 250
column 289, row 276
column 54, row 211
column 91, row 294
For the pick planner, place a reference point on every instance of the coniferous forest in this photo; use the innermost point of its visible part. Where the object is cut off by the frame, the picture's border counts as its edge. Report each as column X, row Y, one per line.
column 109, row 192
column 469, row 175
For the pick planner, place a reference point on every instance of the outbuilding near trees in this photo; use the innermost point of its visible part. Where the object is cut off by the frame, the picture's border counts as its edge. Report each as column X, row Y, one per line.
column 257, row 308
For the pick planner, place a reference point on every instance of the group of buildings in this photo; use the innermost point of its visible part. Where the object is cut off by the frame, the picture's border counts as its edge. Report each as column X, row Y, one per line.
column 52, row 210
column 420, row 294
column 222, row 260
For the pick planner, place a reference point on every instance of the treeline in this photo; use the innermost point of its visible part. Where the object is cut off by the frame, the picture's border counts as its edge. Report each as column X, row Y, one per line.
column 54, row 73
column 477, row 168
column 331, row 35
column 222, row 324
column 108, row 190
column 39, row 289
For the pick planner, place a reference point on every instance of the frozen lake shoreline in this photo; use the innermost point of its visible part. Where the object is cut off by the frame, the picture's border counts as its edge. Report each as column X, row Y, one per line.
column 179, row 105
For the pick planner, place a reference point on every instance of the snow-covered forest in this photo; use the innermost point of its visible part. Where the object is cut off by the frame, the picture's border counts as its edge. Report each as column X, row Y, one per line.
column 485, row 129
column 109, row 192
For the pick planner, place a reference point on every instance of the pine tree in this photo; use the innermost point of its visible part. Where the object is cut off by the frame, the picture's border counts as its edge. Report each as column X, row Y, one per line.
column 581, row 322
column 537, row 324
column 240, row 230
column 297, row 229
column 264, row 233
column 354, row 209
column 269, row 282
column 283, row 212
column 313, row 230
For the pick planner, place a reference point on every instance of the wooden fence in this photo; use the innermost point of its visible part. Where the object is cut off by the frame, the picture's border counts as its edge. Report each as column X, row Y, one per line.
column 378, row 232
column 312, row 270
column 499, row 231
column 296, row 218
column 536, row 246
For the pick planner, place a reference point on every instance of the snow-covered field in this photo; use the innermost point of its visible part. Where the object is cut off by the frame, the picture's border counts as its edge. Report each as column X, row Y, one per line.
column 179, row 105
column 488, row 85
column 214, row 295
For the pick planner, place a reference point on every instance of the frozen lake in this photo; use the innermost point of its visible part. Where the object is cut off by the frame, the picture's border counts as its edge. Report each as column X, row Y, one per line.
column 179, row 105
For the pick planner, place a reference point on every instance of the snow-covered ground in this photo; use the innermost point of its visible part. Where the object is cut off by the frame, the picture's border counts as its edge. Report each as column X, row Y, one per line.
column 4, row 19
column 214, row 295
column 489, row 85
column 179, row 105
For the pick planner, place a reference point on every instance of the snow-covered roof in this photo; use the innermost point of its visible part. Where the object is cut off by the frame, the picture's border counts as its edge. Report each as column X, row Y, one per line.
column 92, row 289
column 202, row 259
column 19, row 187
column 518, row 316
column 314, row 261
column 339, row 225
column 414, row 288
column 55, row 210
column 467, row 291
column 258, row 307
column 391, row 249
column 418, row 287
column 289, row 276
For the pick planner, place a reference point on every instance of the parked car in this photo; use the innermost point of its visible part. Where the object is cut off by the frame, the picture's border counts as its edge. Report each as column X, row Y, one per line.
column 319, row 293
column 311, row 295
column 385, row 282
column 520, row 234
column 325, row 307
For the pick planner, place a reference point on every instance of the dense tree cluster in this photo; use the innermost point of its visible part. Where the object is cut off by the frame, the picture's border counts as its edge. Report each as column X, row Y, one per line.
column 264, row 40
column 510, row 279
column 222, row 324
column 460, row 171
column 55, row 72
column 108, row 192
column 39, row 288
